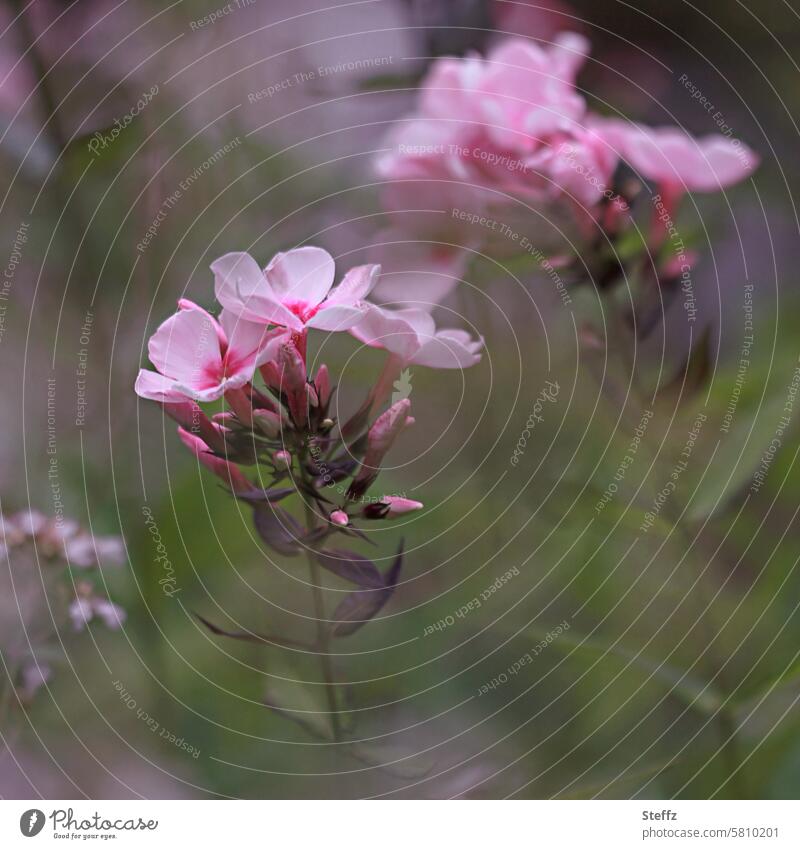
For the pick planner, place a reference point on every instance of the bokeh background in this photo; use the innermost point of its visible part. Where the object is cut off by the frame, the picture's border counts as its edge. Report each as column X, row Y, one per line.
column 679, row 671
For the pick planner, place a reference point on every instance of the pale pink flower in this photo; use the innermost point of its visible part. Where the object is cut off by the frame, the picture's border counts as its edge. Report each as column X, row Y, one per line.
column 294, row 290
column 411, row 336
column 340, row 518
column 201, row 358
column 85, row 550
column 493, row 137
column 511, row 130
column 675, row 160
column 519, row 93
column 85, row 608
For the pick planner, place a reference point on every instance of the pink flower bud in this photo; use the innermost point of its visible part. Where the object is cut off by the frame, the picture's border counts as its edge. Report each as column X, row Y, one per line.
column 239, row 401
column 230, row 473
column 292, row 371
column 390, row 507
column 323, row 384
column 268, row 423
column 380, row 438
column 339, row 517
column 190, row 417
column 385, row 430
column 282, row 460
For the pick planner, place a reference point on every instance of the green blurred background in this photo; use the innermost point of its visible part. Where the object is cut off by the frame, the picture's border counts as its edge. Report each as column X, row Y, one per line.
column 679, row 672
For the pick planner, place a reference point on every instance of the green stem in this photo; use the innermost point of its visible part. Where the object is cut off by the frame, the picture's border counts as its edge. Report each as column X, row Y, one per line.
column 323, row 638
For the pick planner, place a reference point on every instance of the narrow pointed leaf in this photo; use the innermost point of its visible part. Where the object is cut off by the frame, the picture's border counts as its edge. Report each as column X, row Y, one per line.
column 251, row 636
column 270, row 495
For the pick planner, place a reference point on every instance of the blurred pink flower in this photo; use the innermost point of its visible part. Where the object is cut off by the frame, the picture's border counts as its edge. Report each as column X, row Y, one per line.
column 201, row 358
column 677, row 161
column 86, row 606
column 511, row 134
column 519, row 93
column 294, row 290
column 501, row 123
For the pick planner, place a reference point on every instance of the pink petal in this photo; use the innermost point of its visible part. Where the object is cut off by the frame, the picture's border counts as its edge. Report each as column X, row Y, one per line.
column 337, row 317
column 400, row 332
column 303, row 275
column 242, row 288
column 567, row 55
column 186, row 347
column 668, row 155
column 355, row 285
column 251, row 344
column 449, row 349
column 217, row 390
column 186, row 304
column 156, row 387
column 447, row 90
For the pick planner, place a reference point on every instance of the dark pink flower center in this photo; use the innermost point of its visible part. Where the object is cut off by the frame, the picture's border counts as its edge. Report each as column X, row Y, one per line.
column 214, row 373
column 304, row 311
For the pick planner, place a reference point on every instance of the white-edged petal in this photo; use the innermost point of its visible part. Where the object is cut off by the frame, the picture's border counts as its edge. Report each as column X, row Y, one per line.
column 156, row 387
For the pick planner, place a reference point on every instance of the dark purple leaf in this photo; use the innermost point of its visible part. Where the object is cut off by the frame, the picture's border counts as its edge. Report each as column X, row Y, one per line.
column 356, row 609
column 277, row 528
column 271, row 495
column 352, row 567
column 251, row 636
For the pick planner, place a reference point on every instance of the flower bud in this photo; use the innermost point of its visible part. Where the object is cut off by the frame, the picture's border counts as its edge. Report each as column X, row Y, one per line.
column 292, row 371
column 191, row 418
column 339, row 517
column 230, row 473
column 239, row 401
column 269, row 423
column 380, row 438
column 385, row 430
column 390, row 507
column 322, row 382
column 282, row 460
